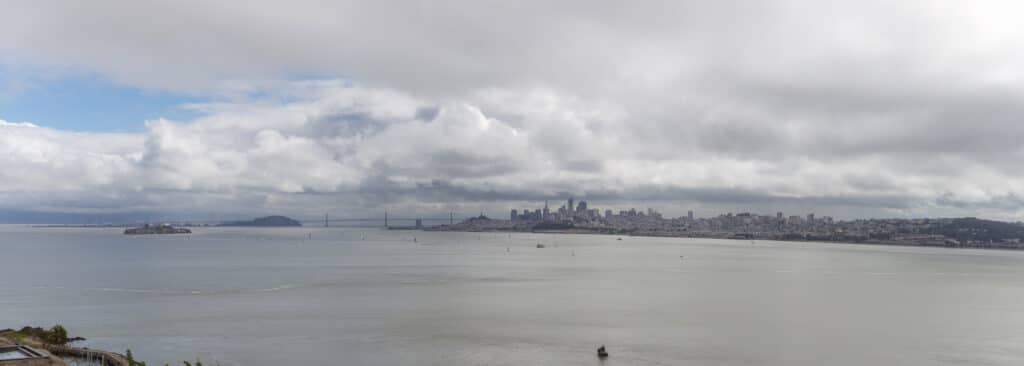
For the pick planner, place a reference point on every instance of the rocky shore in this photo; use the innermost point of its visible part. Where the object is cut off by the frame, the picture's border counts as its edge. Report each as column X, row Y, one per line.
column 52, row 347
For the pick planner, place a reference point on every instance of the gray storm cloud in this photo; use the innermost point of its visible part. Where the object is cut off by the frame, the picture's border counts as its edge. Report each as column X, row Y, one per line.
column 849, row 109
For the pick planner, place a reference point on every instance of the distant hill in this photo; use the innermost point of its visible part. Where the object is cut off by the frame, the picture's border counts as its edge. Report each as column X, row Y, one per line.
column 269, row 221
column 974, row 229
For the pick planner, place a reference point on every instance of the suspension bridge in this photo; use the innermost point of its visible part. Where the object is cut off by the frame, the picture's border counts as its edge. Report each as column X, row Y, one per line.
column 383, row 220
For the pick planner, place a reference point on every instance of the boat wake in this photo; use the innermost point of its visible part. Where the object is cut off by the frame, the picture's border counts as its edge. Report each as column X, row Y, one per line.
column 168, row 291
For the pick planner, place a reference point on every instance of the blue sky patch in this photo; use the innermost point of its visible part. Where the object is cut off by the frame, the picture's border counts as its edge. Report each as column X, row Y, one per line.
column 86, row 102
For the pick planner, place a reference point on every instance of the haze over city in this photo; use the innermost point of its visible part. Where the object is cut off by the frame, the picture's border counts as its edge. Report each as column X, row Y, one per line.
column 114, row 110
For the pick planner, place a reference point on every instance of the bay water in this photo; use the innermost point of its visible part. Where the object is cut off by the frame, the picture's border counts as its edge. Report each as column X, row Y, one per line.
column 366, row 296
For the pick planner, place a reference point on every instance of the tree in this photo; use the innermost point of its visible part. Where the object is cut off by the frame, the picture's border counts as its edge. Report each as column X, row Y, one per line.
column 56, row 335
column 131, row 359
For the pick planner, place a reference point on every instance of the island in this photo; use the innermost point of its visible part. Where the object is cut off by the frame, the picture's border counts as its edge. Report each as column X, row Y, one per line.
column 148, row 229
column 269, row 221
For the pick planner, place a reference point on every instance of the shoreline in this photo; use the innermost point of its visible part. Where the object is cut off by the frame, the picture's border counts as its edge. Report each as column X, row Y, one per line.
column 752, row 239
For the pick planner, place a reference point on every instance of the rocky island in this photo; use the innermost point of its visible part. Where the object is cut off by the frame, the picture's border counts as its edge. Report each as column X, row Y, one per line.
column 148, row 229
column 269, row 221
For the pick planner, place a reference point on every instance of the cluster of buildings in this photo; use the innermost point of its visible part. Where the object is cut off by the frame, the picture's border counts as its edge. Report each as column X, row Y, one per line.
column 578, row 217
column 579, row 212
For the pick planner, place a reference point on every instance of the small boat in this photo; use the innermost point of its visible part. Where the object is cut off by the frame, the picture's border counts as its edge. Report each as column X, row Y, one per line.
column 619, row 239
column 540, row 246
column 601, row 353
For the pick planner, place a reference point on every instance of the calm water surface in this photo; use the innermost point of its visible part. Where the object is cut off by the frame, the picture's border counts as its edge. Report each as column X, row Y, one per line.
column 276, row 297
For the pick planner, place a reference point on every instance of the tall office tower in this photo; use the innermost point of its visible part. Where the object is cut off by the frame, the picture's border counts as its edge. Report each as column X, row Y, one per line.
column 547, row 212
column 582, row 207
column 689, row 215
column 514, row 215
column 570, row 206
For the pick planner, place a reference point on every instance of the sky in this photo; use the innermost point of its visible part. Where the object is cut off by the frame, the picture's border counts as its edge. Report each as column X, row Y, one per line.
column 190, row 109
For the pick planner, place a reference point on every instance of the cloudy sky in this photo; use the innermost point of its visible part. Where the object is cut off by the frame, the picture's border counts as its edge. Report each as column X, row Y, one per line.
column 197, row 109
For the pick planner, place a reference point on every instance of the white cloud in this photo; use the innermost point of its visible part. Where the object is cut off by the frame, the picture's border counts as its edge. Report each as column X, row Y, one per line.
column 359, row 146
column 866, row 107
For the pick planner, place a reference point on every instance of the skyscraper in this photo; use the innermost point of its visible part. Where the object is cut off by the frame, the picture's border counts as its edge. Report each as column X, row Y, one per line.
column 689, row 215
column 514, row 215
column 544, row 216
column 570, row 206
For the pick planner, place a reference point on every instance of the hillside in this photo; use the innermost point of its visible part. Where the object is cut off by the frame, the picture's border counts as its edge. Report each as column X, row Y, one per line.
column 269, row 221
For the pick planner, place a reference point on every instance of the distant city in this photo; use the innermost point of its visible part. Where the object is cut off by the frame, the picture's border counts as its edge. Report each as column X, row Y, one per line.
column 579, row 217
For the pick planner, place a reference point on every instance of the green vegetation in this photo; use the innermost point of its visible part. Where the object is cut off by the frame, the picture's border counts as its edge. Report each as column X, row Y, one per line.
column 56, row 335
column 59, row 333
column 131, row 359
column 16, row 335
